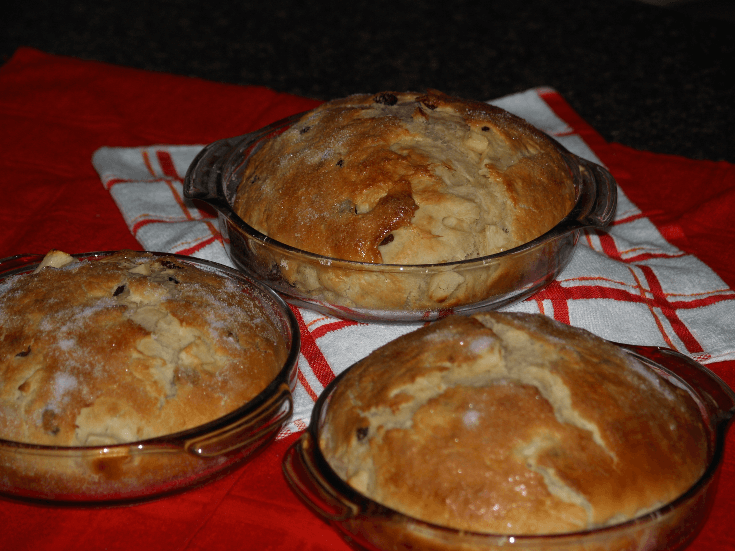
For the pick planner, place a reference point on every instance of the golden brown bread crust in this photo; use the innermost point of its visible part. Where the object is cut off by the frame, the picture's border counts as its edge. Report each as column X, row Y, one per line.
column 127, row 347
column 406, row 178
column 514, row 424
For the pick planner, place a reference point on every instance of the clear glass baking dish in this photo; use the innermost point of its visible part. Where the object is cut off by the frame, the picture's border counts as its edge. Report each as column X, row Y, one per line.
column 368, row 525
column 124, row 473
column 388, row 292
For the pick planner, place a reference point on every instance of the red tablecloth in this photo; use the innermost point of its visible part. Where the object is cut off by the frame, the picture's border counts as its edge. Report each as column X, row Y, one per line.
column 55, row 112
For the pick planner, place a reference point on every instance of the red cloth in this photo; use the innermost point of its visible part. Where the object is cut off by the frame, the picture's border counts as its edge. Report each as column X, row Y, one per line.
column 55, row 112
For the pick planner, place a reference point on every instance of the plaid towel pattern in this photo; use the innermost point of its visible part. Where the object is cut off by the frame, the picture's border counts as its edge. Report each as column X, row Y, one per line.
column 627, row 285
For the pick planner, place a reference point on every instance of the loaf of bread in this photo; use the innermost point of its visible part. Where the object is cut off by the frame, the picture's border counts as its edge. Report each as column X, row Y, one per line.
column 406, row 178
column 512, row 424
column 127, row 347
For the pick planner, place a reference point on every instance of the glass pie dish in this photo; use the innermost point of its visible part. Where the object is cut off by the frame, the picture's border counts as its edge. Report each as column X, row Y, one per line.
column 368, row 525
column 390, row 292
column 154, row 467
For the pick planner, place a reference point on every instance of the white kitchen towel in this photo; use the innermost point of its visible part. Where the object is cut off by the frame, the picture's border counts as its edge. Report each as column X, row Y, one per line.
column 627, row 284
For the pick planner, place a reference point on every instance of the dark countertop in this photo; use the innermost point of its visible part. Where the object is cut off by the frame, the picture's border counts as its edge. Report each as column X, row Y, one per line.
column 648, row 77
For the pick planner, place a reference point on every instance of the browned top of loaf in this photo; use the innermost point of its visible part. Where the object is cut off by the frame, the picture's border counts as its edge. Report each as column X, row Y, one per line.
column 514, row 424
column 127, row 347
column 406, row 178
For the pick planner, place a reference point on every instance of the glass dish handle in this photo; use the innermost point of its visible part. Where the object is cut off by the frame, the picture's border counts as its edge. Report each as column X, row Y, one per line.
column 599, row 208
column 597, row 201
column 308, row 484
column 204, row 175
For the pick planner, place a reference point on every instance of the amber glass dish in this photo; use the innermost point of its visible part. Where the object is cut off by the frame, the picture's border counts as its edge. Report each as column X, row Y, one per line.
column 390, row 292
column 159, row 466
column 371, row 526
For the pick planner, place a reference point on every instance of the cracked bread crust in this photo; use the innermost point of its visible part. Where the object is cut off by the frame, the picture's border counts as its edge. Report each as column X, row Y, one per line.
column 512, row 424
column 126, row 347
column 406, row 178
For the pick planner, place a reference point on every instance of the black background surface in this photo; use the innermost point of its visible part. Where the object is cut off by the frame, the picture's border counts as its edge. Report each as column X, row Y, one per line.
column 648, row 77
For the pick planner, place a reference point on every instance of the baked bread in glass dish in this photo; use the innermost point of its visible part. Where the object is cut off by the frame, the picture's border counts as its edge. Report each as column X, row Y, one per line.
column 127, row 375
column 496, row 430
column 401, row 206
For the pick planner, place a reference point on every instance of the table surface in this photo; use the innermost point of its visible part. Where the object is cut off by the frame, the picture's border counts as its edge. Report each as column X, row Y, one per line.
column 648, row 77
column 645, row 77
